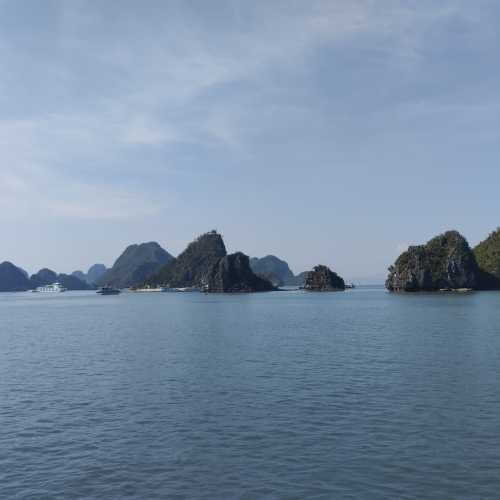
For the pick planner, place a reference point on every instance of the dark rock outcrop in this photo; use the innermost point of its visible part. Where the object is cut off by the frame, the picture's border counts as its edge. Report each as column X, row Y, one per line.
column 13, row 279
column 487, row 255
column 135, row 265
column 323, row 279
column 445, row 262
column 273, row 269
column 191, row 267
column 233, row 273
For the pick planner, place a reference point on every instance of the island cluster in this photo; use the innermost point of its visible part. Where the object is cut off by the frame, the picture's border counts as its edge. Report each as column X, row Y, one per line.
column 446, row 263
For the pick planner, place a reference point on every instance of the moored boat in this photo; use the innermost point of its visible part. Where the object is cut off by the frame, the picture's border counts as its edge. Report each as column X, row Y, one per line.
column 108, row 290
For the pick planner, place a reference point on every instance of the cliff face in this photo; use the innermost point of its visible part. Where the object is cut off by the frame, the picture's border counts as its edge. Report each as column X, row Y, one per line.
column 446, row 261
column 487, row 255
column 273, row 269
column 323, row 279
column 135, row 265
column 13, row 279
column 233, row 273
column 193, row 264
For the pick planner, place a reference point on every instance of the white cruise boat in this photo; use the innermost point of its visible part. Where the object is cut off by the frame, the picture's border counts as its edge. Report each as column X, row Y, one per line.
column 54, row 288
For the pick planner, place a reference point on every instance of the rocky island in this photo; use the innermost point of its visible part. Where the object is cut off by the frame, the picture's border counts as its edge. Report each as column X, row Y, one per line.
column 205, row 265
column 446, row 262
column 323, row 279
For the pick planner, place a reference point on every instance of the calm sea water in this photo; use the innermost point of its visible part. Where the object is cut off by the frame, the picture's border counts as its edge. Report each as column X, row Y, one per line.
column 360, row 395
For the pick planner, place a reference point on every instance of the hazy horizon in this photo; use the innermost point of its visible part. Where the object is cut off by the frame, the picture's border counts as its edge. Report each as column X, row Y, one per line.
column 320, row 132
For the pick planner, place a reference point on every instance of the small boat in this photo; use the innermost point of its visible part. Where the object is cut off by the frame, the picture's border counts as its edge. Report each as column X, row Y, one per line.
column 54, row 288
column 108, row 290
column 350, row 286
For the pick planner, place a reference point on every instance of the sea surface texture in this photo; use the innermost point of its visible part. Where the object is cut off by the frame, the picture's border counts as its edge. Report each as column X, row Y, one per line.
column 284, row 395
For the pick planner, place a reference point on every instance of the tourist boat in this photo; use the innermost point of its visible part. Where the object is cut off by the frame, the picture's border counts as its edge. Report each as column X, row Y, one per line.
column 108, row 290
column 54, row 288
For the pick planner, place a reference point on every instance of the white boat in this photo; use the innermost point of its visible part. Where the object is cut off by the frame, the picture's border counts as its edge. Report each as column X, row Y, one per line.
column 54, row 288
column 146, row 290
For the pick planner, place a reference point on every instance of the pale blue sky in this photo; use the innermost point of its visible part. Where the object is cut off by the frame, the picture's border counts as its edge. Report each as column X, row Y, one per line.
column 323, row 132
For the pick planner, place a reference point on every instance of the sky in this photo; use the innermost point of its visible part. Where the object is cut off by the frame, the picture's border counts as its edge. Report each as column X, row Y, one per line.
column 334, row 132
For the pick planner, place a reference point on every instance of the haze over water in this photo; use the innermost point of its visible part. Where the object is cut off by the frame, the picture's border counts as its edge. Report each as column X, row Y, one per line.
column 361, row 395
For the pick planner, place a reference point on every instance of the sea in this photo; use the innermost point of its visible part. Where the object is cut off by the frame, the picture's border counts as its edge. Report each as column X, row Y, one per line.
column 283, row 395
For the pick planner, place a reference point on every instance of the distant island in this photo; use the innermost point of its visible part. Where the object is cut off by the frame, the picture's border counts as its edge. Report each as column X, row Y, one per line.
column 135, row 265
column 277, row 271
column 93, row 274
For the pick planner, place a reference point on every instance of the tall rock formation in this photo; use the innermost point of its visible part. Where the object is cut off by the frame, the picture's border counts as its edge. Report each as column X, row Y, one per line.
column 445, row 262
column 323, row 279
column 487, row 255
column 273, row 269
column 13, row 279
column 233, row 273
column 193, row 264
column 135, row 265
